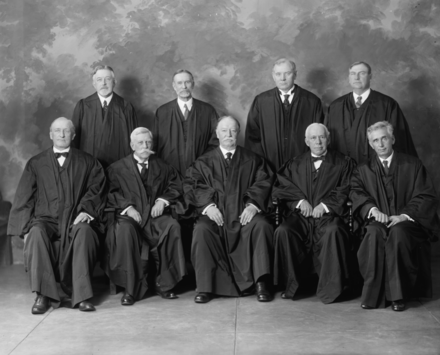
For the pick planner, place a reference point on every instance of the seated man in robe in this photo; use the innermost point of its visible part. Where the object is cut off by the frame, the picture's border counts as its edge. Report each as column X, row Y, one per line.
column 230, row 187
column 314, row 186
column 58, row 199
column 142, row 187
column 397, row 203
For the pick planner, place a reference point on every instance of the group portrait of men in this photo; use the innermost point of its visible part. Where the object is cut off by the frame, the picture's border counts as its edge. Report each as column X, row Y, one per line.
column 354, row 205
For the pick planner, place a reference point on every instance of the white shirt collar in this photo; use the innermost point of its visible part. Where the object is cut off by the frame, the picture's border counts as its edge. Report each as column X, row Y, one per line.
column 364, row 95
column 389, row 159
column 56, row 150
column 322, row 155
column 182, row 103
column 139, row 159
column 108, row 99
column 290, row 93
column 224, row 151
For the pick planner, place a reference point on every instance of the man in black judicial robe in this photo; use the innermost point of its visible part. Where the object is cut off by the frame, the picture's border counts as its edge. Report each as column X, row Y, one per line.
column 59, row 197
column 142, row 187
column 104, row 120
column 232, row 241
column 397, row 203
column 350, row 115
column 314, row 187
column 279, row 117
column 184, row 128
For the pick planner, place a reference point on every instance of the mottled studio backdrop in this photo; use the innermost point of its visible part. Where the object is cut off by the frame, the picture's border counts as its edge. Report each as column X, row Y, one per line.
column 48, row 47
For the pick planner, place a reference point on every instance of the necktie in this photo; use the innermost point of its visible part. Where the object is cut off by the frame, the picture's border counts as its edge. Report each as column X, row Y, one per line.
column 186, row 112
column 144, row 168
column 228, row 158
column 322, row 157
column 286, row 102
column 58, row 155
column 359, row 101
column 385, row 167
column 104, row 109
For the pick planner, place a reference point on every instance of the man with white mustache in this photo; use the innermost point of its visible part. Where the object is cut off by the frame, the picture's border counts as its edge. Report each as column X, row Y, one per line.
column 104, row 120
column 143, row 189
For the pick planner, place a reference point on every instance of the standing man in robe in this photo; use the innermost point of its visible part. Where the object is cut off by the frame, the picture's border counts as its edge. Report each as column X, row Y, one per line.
column 184, row 128
column 104, row 120
column 142, row 190
column 230, row 187
column 314, row 187
column 58, row 199
column 350, row 115
column 396, row 200
column 278, row 117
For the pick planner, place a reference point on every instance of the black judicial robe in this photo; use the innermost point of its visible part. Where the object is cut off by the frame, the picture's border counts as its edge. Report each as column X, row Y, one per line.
column 276, row 137
column 106, row 138
column 331, row 187
column 38, row 197
column 348, row 126
column 414, row 193
column 249, row 179
column 126, row 188
column 169, row 140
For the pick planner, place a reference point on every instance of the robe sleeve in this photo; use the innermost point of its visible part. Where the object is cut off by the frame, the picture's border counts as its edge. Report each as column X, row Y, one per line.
column 402, row 132
column 24, row 203
column 253, row 134
column 361, row 199
column 285, row 189
column 78, row 113
column 260, row 191
column 132, row 121
column 173, row 187
column 336, row 200
column 213, row 141
column 116, row 198
column 94, row 198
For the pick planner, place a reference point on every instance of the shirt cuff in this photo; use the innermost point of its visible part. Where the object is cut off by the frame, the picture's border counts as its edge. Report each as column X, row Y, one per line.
column 164, row 201
column 409, row 218
column 299, row 203
column 124, row 212
column 206, row 208
column 371, row 211
column 325, row 207
column 91, row 218
column 251, row 204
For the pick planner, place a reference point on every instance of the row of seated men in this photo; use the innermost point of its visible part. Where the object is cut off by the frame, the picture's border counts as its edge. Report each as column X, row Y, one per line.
column 229, row 190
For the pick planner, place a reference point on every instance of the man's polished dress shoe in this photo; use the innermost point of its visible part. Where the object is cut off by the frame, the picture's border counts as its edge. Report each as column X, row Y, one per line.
column 398, row 306
column 203, row 297
column 168, row 295
column 364, row 306
column 127, row 299
column 85, row 306
column 263, row 295
column 41, row 305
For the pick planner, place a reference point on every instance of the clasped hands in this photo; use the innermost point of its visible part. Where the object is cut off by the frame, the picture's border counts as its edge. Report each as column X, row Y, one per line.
column 308, row 211
column 388, row 221
column 246, row 216
column 156, row 211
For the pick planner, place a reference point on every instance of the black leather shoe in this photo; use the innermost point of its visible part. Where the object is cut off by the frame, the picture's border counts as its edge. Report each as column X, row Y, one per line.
column 85, row 306
column 41, row 305
column 127, row 299
column 168, row 295
column 364, row 306
column 398, row 306
column 263, row 295
column 203, row 297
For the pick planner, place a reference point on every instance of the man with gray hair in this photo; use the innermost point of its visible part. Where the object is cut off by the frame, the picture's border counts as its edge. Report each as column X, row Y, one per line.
column 396, row 203
column 184, row 128
column 229, row 188
column 58, row 201
column 104, row 120
column 144, row 237
column 314, row 187
column 351, row 114
column 279, row 117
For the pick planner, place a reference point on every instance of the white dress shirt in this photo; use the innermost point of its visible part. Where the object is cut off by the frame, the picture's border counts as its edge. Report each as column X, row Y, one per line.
column 364, row 96
column 61, row 159
column 181, row 103
column 290, row 93
column 108, row 99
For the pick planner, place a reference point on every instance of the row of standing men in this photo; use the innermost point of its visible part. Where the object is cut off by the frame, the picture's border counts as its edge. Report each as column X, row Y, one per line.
column 219, row 187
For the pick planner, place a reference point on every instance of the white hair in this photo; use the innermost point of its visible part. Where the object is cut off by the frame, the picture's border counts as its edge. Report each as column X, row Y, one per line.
column 72, row 126
column 327, row 133
column 140, row 130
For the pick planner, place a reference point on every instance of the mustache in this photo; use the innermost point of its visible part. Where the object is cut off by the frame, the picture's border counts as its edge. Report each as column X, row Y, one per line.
column 149, row 151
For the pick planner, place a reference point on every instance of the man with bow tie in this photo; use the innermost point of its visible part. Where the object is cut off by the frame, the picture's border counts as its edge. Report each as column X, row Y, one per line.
column 230, row 189
column 314, row 188
column 397, row 204
column 104, row 120
column 278, row 117
column 351, row 114
column 58, row 200
column 143, row 189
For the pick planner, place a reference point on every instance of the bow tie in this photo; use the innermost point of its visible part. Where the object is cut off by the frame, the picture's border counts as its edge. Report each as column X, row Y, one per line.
column 59, row 155
column 322, row 157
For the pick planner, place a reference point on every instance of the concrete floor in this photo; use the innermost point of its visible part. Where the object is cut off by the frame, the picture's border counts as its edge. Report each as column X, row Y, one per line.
column 223, row 326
